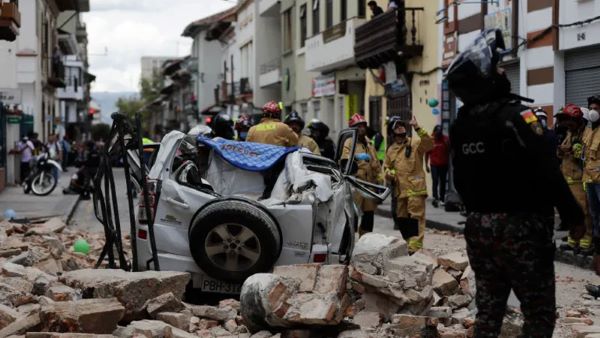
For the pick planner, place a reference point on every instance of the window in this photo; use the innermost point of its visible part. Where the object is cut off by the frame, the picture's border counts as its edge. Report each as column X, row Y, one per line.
column 303, row 26
column 362, row 8
column 287, row 31
column 247, row 61
column 315, row 18
column 303, row 109
column 344, row 11
column 329, row 13
column 316, row 108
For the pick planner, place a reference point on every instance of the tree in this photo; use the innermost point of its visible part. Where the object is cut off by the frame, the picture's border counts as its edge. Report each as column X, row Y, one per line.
column 129, row 105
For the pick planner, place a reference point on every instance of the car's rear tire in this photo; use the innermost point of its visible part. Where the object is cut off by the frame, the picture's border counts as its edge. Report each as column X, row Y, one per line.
column 232, row 239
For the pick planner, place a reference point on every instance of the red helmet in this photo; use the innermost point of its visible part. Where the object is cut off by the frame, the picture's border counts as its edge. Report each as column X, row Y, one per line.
column 356, row 120
column 243, row 123
column 271, row 108
column 572, row 111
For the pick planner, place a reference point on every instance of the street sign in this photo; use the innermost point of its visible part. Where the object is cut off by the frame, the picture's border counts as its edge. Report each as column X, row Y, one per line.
column 13, row 119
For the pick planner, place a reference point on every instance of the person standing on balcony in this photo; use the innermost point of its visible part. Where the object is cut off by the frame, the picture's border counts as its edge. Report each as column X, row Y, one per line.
column 375, row 9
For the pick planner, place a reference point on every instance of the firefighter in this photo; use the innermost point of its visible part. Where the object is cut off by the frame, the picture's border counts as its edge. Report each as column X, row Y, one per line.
column 242, row 126
column 368, row 169
column 319, row 132
column 295, row 121
column 271, row 130
column 571, row 166
column 591, row 173
column 404, row 167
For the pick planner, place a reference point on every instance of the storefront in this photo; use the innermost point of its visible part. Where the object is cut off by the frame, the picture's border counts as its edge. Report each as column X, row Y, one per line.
column 582, row 74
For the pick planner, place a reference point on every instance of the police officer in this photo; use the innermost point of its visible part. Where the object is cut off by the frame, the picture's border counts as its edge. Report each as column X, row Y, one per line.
column 591, row 173
column 295, row 121
column 368, row 169
column 404, row 166
column 570, row 153
column 271, row 130
column 509, row 182
column 319, row 132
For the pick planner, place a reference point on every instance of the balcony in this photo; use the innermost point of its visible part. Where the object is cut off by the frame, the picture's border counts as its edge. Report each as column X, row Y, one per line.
column 389, row 36
column 10, row 21
column 73, row 5
column 268, row 7
column 270, row 73
column 56, row 78
column 81, row 33
column 72, row 91
column 333, row 48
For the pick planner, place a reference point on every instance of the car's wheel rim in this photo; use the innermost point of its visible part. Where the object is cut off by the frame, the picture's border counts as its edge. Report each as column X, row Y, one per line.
column 232, row 247
column 41, row 185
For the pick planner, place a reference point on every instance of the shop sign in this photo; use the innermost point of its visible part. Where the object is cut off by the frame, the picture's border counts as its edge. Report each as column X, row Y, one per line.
column 323, row 85
column 10, row 96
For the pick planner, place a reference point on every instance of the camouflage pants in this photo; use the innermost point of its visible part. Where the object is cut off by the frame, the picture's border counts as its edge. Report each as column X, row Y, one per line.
column 512, row 252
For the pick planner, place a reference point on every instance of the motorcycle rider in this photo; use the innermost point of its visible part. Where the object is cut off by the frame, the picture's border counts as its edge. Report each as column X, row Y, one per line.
column 319, row 132
column 510, row 183
column 404, row 166
column 295, row 121
column 242, row 126
column 222, row 126
column 368, row 169
column 570, row 153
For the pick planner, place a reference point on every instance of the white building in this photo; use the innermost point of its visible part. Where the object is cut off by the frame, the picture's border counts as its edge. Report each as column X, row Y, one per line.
column 153, row 65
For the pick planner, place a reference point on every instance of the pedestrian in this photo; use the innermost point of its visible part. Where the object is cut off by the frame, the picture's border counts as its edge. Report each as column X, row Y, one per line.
column 25, row 147
column 66, row 151
column 506, row 175
column 295, row 121
column 591, row 174
column 375, row 9
column 436, row 163
column 367, row 167
column 571, row 166
column 404, row 167
column 271, row 130
column 54, row 152
column 319, row 132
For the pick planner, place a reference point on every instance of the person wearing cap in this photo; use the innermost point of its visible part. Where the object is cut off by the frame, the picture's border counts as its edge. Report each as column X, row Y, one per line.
column 271, row 130
column 571, row 166
column 404, row 167
column 591, row 174
column 368, row 169
column 295, row 121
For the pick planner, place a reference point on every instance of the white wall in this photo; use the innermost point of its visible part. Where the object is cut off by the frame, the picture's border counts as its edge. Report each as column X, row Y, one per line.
column 210, row 66
column 579, row 36
column 266, row 48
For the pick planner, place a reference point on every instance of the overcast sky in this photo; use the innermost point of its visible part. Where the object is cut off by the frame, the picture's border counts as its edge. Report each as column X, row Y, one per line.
column 120, row 32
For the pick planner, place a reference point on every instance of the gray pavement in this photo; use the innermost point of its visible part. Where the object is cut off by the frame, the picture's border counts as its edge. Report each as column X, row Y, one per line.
column 31, row 206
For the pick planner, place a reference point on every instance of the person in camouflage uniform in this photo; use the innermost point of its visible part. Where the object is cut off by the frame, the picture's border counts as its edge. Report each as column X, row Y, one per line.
column 510, row 182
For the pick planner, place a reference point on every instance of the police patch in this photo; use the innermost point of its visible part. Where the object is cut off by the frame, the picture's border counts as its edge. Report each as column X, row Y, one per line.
column 537, row 128
column 532, row 120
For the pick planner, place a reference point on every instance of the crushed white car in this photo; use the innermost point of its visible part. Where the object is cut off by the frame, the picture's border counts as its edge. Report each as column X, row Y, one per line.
column 208, row 218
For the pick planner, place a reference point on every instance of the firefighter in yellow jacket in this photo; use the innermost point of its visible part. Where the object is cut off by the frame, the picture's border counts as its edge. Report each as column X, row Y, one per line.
column 271, row 130
column 404, row 167
column 368, row 169
column 570, row 153
column 591, row 173
column 295, row 121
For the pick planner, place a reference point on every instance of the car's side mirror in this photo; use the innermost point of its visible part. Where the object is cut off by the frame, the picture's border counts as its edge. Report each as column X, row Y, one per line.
column 345, row 136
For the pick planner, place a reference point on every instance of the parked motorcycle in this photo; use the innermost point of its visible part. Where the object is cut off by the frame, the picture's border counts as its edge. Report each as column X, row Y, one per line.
column 41, row 180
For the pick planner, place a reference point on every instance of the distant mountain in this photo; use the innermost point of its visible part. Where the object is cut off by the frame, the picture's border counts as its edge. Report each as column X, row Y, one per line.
column 108, row 102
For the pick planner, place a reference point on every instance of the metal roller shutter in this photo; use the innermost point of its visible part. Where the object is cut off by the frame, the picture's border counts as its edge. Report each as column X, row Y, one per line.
column 582, row 74
column 513, row 71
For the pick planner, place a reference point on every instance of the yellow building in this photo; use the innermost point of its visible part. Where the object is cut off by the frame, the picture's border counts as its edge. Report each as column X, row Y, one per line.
column 415, row 56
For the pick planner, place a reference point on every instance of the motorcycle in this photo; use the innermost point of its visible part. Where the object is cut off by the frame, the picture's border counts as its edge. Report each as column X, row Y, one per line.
column 41, row 180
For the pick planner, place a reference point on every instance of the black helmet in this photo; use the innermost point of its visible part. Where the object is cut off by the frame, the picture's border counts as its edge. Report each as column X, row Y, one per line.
column 473, row 75
column 294, row 117
column 222, row 126
column 317, row 125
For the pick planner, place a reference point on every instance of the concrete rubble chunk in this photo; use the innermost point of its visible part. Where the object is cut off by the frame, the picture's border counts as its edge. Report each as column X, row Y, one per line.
column 458, row 301
column 313, row 309
column 444, row 283
column 212, row 312
column 151, row 329
column 51, row 226
column 86, row 316
column 452, row 332
column 176, row 319
column 373, row 249
column 132, row 289
column 66, row 335
column 163, row 303
column 61, row 293
column 583, row 331
column 13, row 297
column 367, row 319
column 467, row 282
column 455, row 260
column 262, row 334
column 7, row 316
column 233, row 303
column 412, row 326
column 332, row 279
column 576, row 320
column 306, row 273
column 414, row 273
column 460, row 315
column 353, row 334
column 440, row 312
column 264, row 300
column 21, row 325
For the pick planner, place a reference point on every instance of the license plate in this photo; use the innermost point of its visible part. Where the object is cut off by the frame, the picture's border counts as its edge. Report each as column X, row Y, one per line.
column 218, row 286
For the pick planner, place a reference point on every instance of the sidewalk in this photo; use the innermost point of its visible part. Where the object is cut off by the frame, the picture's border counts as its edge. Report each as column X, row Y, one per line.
column 31, row 206
column 438, row 218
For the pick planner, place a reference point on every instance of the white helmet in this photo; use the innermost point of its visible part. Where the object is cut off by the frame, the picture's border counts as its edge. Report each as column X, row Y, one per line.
column 200, row 130
column 586, row 113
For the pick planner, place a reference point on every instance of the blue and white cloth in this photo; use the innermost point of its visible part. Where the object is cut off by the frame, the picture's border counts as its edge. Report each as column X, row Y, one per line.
column 247, row 155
